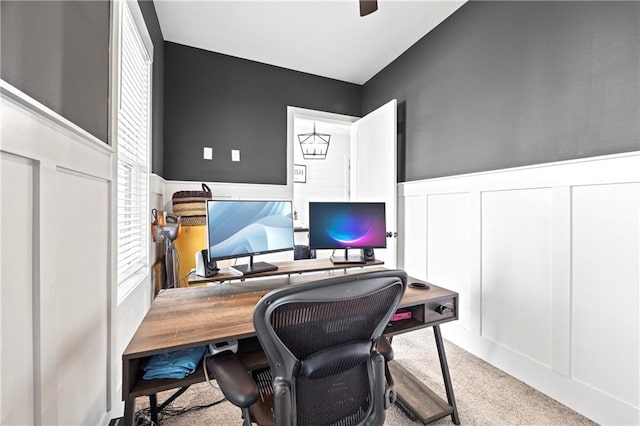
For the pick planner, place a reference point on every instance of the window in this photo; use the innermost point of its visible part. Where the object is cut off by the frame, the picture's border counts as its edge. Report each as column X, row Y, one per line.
column 133, row 141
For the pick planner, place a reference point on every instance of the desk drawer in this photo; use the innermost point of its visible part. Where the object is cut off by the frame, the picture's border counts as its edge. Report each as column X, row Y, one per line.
column 442, row 310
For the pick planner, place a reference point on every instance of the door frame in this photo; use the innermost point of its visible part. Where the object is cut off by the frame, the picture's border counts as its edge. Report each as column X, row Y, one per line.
column 309, row 114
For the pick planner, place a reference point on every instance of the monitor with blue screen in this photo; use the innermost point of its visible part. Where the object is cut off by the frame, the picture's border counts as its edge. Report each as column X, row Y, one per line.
column 347, row 225
column 240, row 228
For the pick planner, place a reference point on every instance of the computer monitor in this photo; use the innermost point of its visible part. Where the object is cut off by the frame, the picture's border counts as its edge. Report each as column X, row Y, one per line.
column 347, row 225
column 240, row 228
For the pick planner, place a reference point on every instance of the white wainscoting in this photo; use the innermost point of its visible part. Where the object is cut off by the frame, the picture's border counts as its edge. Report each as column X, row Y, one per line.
column 132, row 308
column 229, row 191
column 546, row 260
column 17, row 291
column 55, row 299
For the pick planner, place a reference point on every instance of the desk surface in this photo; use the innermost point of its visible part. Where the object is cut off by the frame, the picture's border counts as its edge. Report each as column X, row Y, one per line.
column 188, row 317
column 285, row 268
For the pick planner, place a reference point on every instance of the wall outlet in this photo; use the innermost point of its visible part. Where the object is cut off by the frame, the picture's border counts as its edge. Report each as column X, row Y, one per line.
column 235, row 155
column 207, row 153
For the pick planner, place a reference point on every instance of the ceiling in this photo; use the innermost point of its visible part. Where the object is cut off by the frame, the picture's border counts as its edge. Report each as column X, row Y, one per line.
column 322, row 37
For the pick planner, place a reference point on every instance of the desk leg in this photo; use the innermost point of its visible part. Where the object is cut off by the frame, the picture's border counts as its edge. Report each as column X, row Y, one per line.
column 445, row 374
column 153, row 408
column 129, row 407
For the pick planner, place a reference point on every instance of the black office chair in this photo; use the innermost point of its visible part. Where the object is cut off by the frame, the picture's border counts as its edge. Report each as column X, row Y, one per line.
column 326, row 353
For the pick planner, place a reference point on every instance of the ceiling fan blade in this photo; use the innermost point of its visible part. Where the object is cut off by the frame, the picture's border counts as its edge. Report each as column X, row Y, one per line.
column 368, row 6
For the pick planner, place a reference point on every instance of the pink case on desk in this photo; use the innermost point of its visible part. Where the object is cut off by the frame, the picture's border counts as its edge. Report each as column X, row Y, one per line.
column 401, row 316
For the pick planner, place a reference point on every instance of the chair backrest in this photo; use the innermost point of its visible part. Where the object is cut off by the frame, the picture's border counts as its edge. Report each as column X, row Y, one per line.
column 320, row 340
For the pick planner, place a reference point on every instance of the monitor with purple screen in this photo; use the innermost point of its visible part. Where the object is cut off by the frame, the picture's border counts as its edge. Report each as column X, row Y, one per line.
column 347, row 225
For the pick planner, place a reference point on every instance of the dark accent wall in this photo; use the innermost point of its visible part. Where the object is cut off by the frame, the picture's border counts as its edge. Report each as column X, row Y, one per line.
column 504, row 84
column 229, row 103
column 151, row 20
column 57, row 52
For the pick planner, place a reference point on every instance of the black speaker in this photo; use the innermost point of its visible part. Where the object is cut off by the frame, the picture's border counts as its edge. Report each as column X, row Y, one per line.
column 367, row 254
column 204, row 268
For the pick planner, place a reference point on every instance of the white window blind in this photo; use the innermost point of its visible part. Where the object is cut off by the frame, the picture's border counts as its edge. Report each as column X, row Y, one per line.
column 133, row 140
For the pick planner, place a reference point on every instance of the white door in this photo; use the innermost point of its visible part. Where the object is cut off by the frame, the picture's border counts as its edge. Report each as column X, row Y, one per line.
column 373, row 175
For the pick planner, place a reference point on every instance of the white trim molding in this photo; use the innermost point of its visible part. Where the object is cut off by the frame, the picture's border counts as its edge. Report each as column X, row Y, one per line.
column 546, row 259
column 56, row 183
column 227, row 191
column 25, row 144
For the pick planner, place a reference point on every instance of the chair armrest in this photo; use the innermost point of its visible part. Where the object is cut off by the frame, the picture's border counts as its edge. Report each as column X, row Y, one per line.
column 234, row 380
column 385, row 349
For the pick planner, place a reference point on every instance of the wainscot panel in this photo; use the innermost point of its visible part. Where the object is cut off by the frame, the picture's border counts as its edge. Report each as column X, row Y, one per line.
column 546, row 261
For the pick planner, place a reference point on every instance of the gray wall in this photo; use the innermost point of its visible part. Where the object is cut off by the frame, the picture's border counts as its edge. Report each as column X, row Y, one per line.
column 151, row 20
column 57, row 52
column 503, row 84
column 230, row 103
column 498, row 84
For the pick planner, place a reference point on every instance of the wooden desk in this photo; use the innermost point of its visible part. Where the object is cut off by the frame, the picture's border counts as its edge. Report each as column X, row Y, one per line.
column 189, row 317
column 292, row 267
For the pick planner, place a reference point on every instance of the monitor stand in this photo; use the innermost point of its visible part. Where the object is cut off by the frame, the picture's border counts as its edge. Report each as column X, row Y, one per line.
column 347, row 259
column 254, row 268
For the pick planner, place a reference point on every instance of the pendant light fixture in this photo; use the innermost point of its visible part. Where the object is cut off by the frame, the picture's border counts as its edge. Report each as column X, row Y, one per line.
column 314, row 145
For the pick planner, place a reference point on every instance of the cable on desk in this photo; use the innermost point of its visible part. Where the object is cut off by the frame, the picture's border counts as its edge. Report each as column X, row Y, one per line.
column 184, row 278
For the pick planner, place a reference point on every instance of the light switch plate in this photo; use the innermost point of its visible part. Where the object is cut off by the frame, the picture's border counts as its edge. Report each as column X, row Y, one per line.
column 207, row 153
column 235, row 155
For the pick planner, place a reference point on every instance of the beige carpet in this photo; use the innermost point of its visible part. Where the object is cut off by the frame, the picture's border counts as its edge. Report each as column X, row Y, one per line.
column 484, row 394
